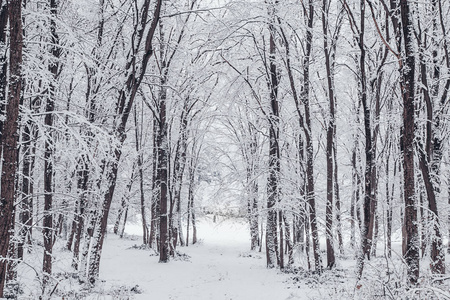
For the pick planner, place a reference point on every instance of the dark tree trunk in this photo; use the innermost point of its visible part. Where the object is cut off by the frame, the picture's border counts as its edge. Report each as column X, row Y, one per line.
column 88, row 236
column 138, row 141
column 188, row 221
column 48, row 230
column 281, row 236
column 307, row 239
column 26, row 212
column 274, row 152
column 178, row 169
column 331, row 260
column 191, row 189
column 310, row 192
column 254, row 223
column 448, row 202
column 429, row 161
column 338, row 198
column 408, row 88
column 302, row 220
column 368, row 184
column 78, row 226
column 123, row 205
column 10, row 131
column 154, row 223
column 423, row 223
column 389, row 200
column 353, row 207
column 11, row 275
column 355, row 211
column 102, row 222
column 3, row 62
column 194, row 225
column 437, row 253
column 163, row 160
column 125, row 217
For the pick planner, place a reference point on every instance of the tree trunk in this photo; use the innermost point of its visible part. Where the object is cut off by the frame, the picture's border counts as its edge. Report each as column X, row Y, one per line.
column 102, row 222
column 448, row 218
column 48, row 230
column 178, row 169
column 408, row 88
column 437, row 253
column 368, row 184
column 191, row 200
column 338, row 198
column 310, row 193
column 274, row 152
column 331, row 260
column 154, row 223
column 10, row 131
column 88, row 235
column 125, row 217
column 353, row 206
column 389, row 200
column 26, row 212
column 254, row 215
column 3, row 63
column 194, row 226
column 138, row 140
column 281, row 237
column 83, row 178
column 163, row 160
column 429, row 161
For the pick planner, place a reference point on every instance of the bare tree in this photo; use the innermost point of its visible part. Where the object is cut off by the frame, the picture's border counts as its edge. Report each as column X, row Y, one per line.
column 274, row 152
column 134, row 75
column 48, row 164
column 10, row 131
column 305, row 99
column 408, row 89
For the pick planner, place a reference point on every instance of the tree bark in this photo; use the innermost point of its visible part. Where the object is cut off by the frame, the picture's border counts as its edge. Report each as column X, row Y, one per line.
column 48, row 230
column 274, row 152
column 83, row 178
column 163, row 161
column 3, row 62
column 26, row 211
column 331, row 260
column 310, row 191
column 10, row 131
column 154, row 223
column 408, row 88
column 138, row 141
column 178, row 169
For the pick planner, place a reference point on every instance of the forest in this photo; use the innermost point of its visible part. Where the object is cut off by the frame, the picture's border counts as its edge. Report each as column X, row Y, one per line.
column 322, row 126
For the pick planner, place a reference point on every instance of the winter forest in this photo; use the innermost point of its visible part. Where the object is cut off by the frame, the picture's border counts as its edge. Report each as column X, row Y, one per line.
column 287, row 149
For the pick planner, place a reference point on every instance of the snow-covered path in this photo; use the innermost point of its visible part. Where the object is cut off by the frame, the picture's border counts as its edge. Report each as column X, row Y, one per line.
column 219, row 268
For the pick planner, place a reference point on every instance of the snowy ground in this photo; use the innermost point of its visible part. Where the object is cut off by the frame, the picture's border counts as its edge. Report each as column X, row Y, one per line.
column 219, row 268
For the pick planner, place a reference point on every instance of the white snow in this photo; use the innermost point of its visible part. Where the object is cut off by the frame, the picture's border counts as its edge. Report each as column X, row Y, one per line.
column 220, row 267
